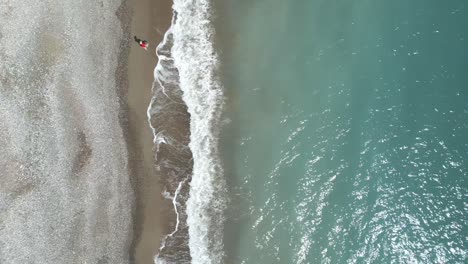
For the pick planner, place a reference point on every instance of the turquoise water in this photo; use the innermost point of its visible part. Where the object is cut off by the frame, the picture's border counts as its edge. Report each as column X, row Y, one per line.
column 348, row 132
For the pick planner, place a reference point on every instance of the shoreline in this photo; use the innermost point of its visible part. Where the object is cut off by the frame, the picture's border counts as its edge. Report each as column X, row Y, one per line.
column 151, row 218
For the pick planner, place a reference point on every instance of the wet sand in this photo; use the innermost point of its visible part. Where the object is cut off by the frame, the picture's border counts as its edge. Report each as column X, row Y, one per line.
column 150, row 19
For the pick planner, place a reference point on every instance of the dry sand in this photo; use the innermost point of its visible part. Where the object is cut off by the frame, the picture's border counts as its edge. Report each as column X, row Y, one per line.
column 150, row 19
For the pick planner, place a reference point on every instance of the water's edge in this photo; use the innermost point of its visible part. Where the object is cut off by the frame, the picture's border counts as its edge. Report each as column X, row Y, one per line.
column 185, row 115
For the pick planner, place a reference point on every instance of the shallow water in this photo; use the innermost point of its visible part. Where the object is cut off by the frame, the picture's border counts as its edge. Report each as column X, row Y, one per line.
column 185, row 117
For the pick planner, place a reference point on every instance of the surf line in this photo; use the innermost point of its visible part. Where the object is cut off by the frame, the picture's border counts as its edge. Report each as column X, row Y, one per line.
column 174, row 203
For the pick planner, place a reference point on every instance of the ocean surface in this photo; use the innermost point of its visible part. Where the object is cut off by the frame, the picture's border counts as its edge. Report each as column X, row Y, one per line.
column 348, row 133
column 343, row 130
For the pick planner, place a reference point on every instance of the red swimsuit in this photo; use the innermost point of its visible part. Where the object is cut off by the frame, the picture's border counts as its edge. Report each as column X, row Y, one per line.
column 143, row 44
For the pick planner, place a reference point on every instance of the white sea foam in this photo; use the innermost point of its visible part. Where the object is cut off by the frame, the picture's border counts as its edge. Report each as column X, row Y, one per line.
column 196, row 62
column 175, row 204
column 160, row 77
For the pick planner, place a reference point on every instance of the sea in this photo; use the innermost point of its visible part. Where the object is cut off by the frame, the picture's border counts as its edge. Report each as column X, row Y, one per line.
column 320, row 131
column 300, row 131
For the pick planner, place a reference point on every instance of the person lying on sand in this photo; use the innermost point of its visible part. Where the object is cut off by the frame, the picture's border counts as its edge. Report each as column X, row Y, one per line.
column 143, row 43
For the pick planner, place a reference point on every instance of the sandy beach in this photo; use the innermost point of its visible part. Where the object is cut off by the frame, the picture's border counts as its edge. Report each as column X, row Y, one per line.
column 150, row 19
column 76, row 150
